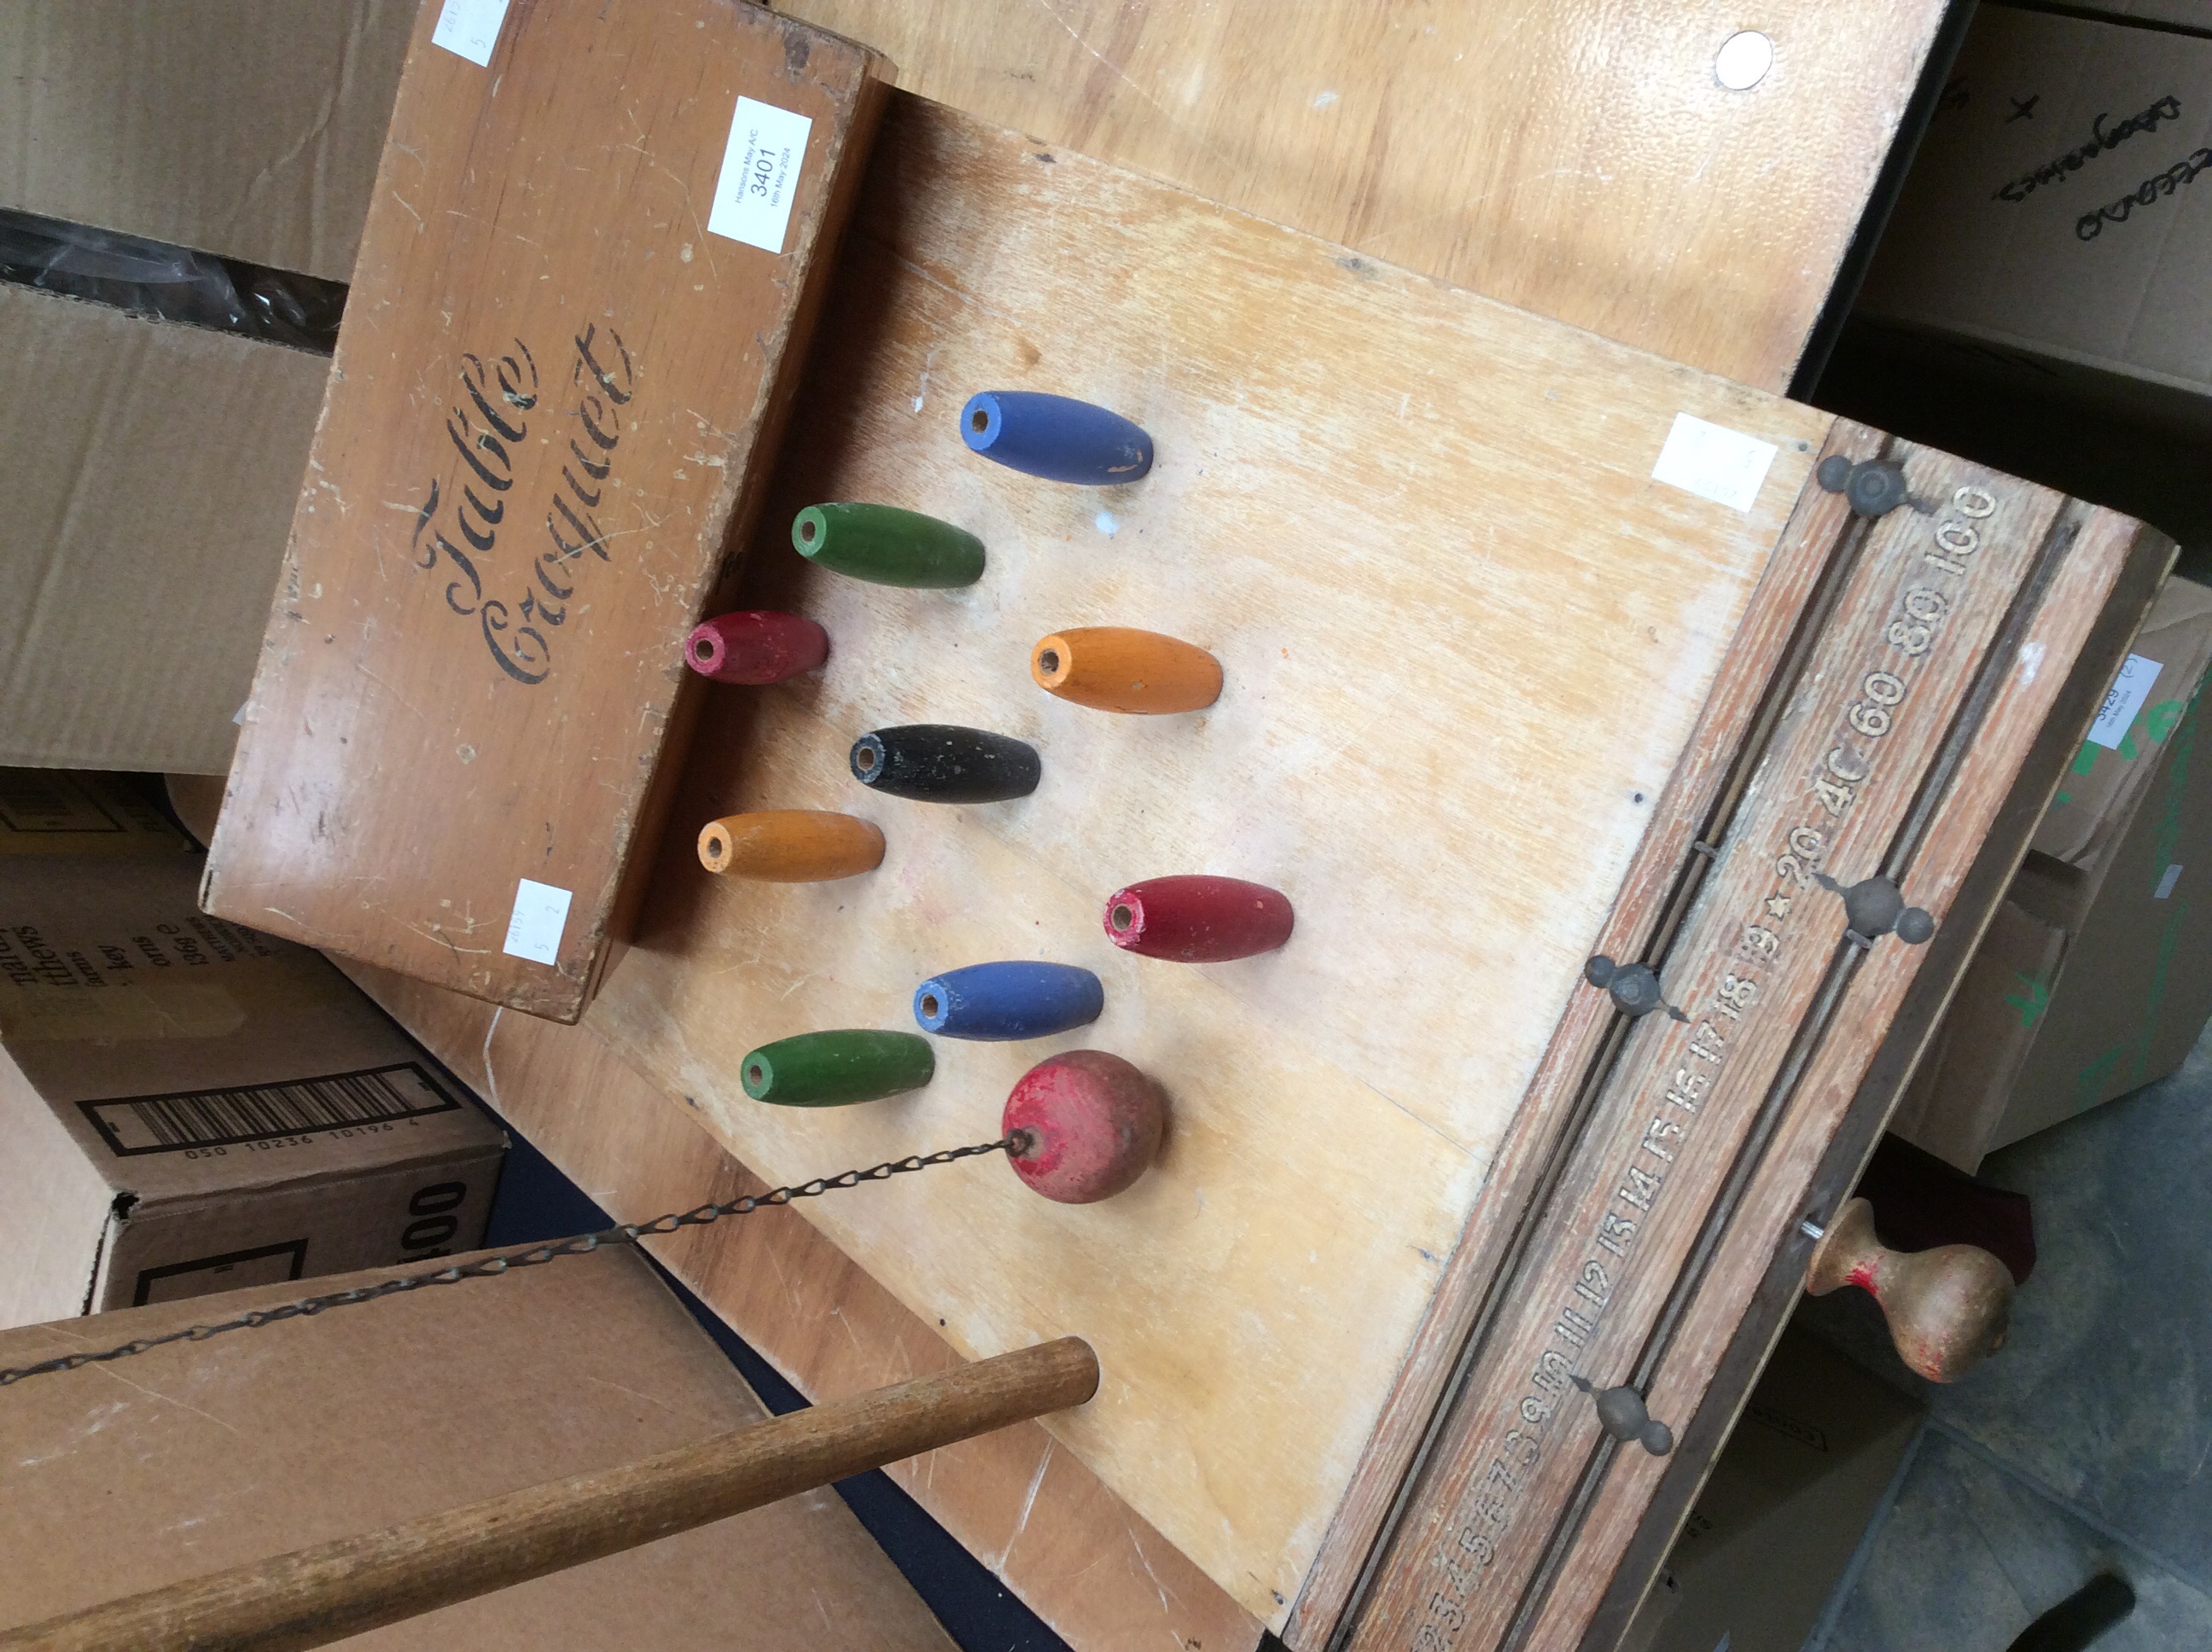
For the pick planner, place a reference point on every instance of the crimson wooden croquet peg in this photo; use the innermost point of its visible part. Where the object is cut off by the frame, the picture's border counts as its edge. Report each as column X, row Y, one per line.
column 1198, row 919
column 1090, row 1124
column 756, row 645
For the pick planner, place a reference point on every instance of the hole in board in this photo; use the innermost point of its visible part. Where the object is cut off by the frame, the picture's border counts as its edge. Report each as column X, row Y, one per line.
column 1048, row 662
column 929, row 1004
column 1123, row 917
column 979, row 421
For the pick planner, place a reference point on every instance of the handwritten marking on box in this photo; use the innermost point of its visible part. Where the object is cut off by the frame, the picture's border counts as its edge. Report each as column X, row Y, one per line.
column 469, row 28
column 1713, row 462
column 760, row 175
column 541, row 912
column 2124, row 700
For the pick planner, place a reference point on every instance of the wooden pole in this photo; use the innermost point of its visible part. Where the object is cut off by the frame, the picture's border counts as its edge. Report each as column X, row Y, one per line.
column 314, row 1596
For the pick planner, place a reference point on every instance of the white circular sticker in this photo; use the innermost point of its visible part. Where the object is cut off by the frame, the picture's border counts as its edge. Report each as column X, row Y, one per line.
column 1743, row 61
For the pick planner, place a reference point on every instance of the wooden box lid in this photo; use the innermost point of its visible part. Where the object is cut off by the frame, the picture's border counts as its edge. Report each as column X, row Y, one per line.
column 583, row 296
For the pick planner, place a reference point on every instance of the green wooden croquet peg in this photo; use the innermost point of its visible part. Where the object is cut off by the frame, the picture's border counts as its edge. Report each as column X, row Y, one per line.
column 888, row 546
column 836, row 1069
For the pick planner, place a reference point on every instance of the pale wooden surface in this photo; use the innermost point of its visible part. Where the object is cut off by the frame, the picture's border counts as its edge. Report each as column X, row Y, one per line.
column 1102, row 1578
column 328, row 1592
column 553, row 403
column 1420, row 532
column 1575, row 157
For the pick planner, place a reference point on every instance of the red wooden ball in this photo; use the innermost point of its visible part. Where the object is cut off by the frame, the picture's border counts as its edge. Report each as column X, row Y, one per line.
column 1093, row 1122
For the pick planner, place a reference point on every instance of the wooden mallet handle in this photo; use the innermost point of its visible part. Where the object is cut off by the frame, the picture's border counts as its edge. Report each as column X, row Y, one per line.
column 1948, row 1307
column 313, row 1596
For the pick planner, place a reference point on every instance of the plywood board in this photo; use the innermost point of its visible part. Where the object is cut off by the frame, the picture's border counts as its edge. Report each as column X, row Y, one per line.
column 1422, row 532
column 1580, row 161
column 583, row 288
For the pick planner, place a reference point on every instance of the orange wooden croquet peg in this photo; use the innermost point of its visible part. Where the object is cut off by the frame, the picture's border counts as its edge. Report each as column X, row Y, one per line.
column 1113, row 668
column 790, row 846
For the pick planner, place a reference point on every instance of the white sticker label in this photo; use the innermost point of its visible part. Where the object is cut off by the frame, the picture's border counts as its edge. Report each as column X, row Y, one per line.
column 2124, row 700
column 541, row 912
column 760, row 175
column 470, row 27
column 2166, row 883
column 1713, row 462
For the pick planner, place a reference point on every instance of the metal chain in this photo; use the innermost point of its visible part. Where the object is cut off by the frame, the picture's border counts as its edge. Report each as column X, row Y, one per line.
column 628, row 1233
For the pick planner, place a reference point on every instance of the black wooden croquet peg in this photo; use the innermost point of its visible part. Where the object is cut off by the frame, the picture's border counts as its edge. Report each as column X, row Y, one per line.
column 942, row 762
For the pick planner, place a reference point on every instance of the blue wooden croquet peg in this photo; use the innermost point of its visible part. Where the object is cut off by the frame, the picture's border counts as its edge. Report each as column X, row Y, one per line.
column 1056, row 437
column 1015, row 999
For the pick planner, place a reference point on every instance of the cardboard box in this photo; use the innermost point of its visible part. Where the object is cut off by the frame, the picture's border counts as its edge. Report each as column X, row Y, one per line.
column 2095, row 974
column 592, row 264
column 198, row 1457
column 2059, row 210
column 189, row 1106
column 150, row 478
column 1788, row 1498
column 248, row 128
column 2103, row 792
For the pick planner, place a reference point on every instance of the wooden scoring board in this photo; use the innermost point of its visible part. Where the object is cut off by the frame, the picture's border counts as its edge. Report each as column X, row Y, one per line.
column 1421, row 531
column 1511, row 1534
column 550, row 411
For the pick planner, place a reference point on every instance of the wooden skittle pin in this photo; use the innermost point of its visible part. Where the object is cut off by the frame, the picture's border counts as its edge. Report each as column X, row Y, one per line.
column 1198, row 919
column 1113, row 668
column 1020, row 998
column 837, row 1069
column 942, row 763
column 885, row 546
column 756, row 645
column 1090, row 1125
column 1056, row 437
column 790, row 846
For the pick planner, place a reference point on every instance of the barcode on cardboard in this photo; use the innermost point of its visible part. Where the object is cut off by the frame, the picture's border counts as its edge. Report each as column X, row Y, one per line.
column 225, row 1118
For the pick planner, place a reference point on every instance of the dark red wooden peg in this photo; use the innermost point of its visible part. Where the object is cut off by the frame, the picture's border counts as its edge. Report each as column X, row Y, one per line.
column 1090, row 1125
column 1198, row 919
column 756, row 645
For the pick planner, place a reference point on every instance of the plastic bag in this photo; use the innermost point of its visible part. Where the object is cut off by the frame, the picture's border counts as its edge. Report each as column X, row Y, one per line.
column 170, row 283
